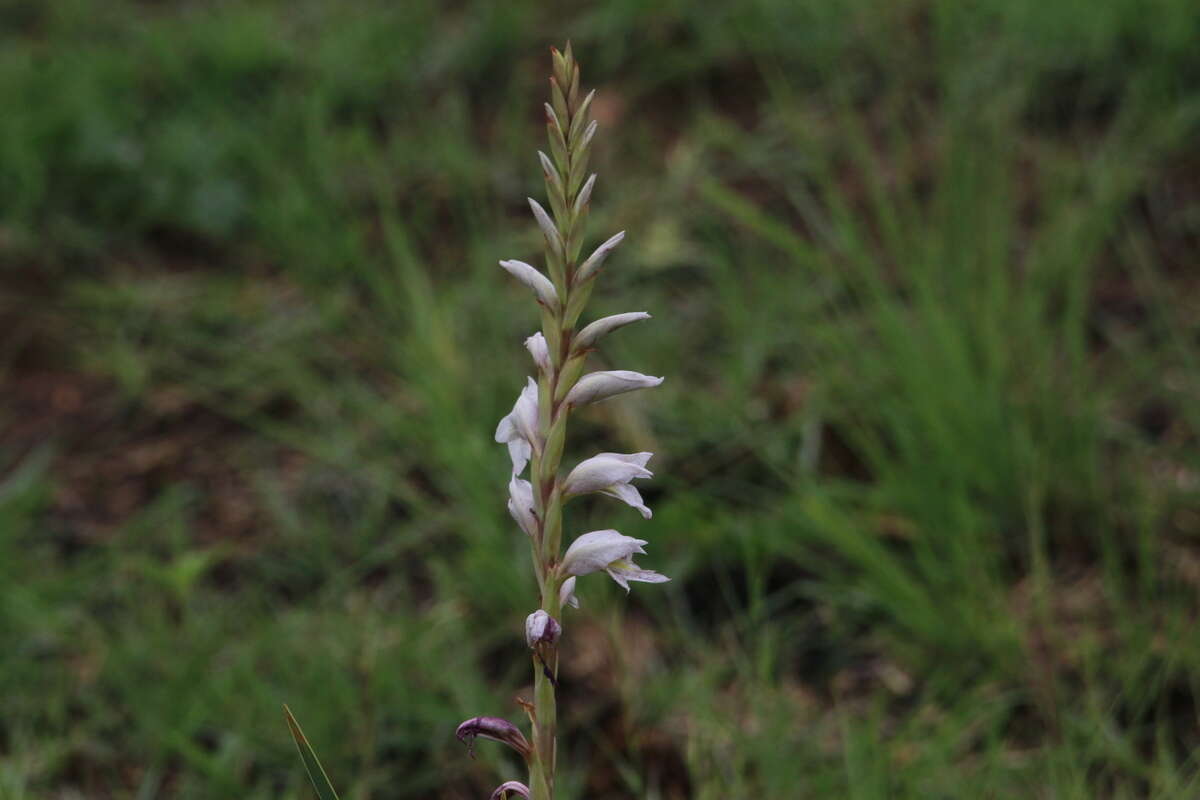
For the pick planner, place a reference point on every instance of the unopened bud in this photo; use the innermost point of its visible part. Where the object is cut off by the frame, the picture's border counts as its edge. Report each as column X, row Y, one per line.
column 541, row 628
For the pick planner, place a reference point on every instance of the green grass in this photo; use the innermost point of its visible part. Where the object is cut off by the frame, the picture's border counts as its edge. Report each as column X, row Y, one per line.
column 924, row 290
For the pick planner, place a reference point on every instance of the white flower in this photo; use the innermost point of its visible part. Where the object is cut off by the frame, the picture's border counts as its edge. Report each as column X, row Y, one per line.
column 520, row 505
column 519, row 429
column 588, row 268
column 536, row 345
column 605, row 325
column 609, row 551
column 597, row 386
column 566, row 593
column 610, row 474
column 535, row 280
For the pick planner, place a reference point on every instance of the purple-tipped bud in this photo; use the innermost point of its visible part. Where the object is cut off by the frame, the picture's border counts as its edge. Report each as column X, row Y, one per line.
column 496, row 729
column 510, row 789
column 541, row 628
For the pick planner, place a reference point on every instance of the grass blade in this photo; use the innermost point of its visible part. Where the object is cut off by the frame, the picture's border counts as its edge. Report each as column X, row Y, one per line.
column 316, row 773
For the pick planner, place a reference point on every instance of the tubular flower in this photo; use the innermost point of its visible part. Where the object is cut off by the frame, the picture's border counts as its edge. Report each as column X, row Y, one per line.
column 519, row 430
column 596, row 386
column 612, row 552
column 510, row 789
column 610, row 474
column 520, row 505
column 494, row 728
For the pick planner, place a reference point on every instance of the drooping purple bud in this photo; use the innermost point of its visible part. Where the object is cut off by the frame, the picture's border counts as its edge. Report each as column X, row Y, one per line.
column 496, row 729
column 541, row 628
column 510, row 789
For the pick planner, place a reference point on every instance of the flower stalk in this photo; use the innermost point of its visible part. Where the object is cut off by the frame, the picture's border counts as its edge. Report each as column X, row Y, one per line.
column 535, row 430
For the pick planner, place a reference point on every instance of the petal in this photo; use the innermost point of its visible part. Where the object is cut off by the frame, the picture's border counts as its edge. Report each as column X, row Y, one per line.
column 630, row 496
column 519, row 428
column 535, row 280
column 566, row 594
column 593, row 332
column 513, row 788
column 526, row 411
column 536, row 345
column 625, row 570
column 596, row 386
column 520, row 505
column 519, row 452
column 588, row 268
column 594, row 551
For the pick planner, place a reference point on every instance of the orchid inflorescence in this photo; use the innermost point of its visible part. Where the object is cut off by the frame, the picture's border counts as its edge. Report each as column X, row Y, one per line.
column 535, row 429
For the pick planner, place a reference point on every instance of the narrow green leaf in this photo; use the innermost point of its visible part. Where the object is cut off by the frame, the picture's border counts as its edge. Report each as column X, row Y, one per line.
column 316, row 773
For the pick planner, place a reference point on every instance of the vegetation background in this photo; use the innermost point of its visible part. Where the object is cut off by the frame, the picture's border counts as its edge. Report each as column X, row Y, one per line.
column 928, row 480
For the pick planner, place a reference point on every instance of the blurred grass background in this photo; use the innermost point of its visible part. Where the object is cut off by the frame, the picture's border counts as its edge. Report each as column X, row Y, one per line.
column 924, row 283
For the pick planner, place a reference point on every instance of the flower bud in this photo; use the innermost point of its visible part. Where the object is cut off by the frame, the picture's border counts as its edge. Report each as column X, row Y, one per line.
column 528, row 275
column 585, row 194
column 520, row 505
column 605, row 325
column 541, row 628
column 536, row 345
column 588, row 268
column 547, row 225
column 597, row 386
column 496, row 729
